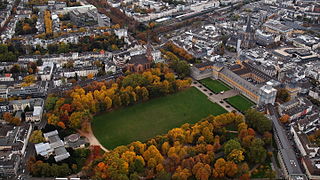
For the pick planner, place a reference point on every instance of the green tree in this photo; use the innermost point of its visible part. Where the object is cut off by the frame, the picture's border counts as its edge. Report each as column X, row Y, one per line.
column 257, row 153
column 182, row 68
column 231, row 145
column 258, row 121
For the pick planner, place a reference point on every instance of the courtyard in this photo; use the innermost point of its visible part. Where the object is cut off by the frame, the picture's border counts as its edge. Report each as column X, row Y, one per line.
column 240, row 102
column 215, row 86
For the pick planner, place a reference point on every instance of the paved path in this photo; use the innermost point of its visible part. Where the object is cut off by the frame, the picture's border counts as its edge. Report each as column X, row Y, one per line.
column 92, row 139
column 217, row 98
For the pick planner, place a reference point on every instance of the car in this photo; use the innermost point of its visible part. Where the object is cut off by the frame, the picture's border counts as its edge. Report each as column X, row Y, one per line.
column 221, row 102
column 221, row 92
column 227, row 106
column 205, row 90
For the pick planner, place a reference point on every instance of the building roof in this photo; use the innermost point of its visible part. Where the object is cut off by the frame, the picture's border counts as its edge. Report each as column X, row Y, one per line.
column 139, row 59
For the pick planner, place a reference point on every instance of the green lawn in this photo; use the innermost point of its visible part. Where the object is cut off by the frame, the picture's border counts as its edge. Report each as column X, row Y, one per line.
column 215, row 86
column 143, row 121
column 240, row 102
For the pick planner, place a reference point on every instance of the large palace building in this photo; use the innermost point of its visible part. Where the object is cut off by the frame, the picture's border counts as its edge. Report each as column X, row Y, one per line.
column 242, row 76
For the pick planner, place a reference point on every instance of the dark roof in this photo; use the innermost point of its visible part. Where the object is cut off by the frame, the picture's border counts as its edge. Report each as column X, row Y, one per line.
column 139, row 59
column 200, row 65
column 248, row 28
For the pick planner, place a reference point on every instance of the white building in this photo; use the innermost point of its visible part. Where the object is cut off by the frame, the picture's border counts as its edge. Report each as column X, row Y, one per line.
column 267, row 94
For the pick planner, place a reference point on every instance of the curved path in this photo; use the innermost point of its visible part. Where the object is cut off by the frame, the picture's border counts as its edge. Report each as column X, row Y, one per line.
column 92, row 139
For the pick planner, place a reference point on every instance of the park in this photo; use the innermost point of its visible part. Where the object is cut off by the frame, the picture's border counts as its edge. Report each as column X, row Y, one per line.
column 143, row 121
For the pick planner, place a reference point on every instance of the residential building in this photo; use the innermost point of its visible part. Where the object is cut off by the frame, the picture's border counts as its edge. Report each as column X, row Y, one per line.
column 13, row 143
column 308, row 150
column 295, row 108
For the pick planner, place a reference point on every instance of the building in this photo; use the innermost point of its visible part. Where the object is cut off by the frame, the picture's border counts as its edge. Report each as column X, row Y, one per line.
column 141, row 62
column 309, row 151
column 267, row 94
column 53, row 146
column 84, row 17
column 34, row 91
column 266, row 39
column 275, row 27
column 305, row 41
column 295, row 108
column 288, row 161
column 242, row 76
column 74, row 141
column 35, row 105
column 13, row 143
column 45, row 71
column 315, row 93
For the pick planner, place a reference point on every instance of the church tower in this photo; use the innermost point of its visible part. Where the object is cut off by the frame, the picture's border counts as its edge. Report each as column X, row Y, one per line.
column 248, row 35
column 149, row 51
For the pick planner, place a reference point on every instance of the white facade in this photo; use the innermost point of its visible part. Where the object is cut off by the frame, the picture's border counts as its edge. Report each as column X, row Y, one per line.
column 267, row 94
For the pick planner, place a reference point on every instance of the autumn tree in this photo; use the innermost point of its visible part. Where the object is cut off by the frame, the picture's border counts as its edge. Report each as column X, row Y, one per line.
column 36, row 137
column 236, row 155
column 283, row 95
column 284, row 119
column 201, row 171
column 10, row 119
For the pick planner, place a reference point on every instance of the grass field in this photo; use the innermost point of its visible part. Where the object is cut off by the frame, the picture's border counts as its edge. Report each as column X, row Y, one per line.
column 215, row 86
column 143, row 121
column 240, row 102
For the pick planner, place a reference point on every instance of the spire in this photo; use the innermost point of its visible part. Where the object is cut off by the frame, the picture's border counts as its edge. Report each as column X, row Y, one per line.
column 149, row 50
column 248, row 28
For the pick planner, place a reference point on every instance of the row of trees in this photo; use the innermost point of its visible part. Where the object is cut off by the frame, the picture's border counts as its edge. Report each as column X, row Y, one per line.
column 201, row 151
column 180, row 52
column 77, row 107
column 106, row 41
column 48, row 23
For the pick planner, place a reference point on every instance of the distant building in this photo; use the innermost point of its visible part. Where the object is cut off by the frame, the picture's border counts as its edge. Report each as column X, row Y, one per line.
column 309, row 151
column 83, row 17
column 276, row 27
column 315, row 93
column 266, row 39
column 13, row 143
column 36, row 107
column 306, row 41
column 296, row 108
